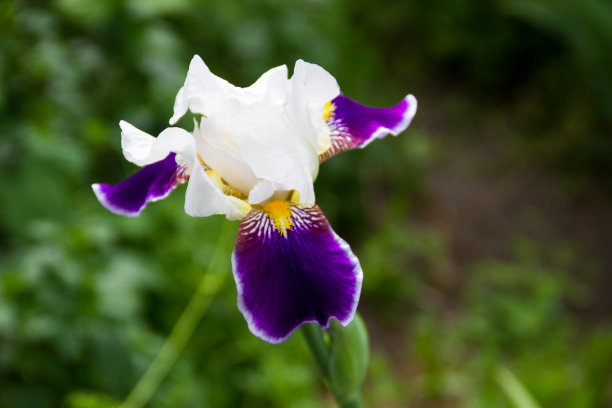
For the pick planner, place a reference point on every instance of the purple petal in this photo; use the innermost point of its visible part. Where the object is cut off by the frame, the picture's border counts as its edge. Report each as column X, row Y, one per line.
column 151, row 183
column 355, row 125
column 293, row 270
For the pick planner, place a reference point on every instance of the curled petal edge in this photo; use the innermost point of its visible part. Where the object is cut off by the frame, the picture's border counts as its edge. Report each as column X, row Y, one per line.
column 143, row 149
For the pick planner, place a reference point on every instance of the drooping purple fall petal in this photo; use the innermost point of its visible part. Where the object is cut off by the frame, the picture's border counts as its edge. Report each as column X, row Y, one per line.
column 355, row 125
column 151, row 183
column 291, row 268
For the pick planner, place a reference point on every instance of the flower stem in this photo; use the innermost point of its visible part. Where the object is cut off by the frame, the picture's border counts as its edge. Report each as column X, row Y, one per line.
column 316, row 343
column 353, row 403
column 209, row 285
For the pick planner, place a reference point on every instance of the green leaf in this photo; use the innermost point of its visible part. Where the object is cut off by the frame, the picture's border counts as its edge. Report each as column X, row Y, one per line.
column 514, row 389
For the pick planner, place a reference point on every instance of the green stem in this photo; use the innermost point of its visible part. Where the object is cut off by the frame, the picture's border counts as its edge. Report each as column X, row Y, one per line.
column 209, row 285
column 353, row 403
column 320, row 352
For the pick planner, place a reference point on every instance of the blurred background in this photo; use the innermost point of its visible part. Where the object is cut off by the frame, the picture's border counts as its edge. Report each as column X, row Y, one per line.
column 484, row 230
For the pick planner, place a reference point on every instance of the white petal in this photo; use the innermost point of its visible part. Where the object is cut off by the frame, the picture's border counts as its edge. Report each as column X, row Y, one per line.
column 271, row 87
column 203, row 90
column 319, row 86
column 141, row 148
column 265, row 190
column 311, row 88
column 224, row 158
column 135, row 143
column 204, row 198
column 180, row 106
column 275, row 152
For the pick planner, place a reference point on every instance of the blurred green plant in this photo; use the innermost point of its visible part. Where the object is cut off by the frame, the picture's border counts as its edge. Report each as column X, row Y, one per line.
column 516, row 392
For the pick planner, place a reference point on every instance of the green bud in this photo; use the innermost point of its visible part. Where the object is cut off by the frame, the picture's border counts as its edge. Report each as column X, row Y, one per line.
column 348, row 360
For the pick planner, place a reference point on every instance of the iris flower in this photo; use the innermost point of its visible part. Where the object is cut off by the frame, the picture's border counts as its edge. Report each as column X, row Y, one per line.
column 253, row 156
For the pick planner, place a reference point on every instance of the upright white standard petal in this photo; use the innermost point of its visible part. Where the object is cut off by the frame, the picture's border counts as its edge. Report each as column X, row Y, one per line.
column 203, row 90
column 317, row 86
column 204, row 198
column 311, row 88
column 142, row 149
column 271, row 87
column 275, row 151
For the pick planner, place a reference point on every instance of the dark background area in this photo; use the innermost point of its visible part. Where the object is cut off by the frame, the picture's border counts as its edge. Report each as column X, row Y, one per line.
column 484, row 230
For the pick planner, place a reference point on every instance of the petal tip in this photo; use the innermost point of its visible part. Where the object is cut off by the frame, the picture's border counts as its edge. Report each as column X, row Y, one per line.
column 151, row 183
column 411, row 101
column 196, row 59
column 98, row 190
column 125, row 126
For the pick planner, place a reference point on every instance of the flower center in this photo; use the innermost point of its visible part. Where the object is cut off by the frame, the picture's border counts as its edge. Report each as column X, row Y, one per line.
column 279, row 212
column 223, row 185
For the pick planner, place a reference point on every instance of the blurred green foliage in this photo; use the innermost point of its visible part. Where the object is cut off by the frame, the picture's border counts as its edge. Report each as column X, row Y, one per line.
column 87, row 298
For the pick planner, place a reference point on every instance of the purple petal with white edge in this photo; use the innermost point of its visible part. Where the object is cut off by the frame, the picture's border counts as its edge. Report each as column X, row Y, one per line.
column 355, row 125
column 151, row 183
column 291, row 268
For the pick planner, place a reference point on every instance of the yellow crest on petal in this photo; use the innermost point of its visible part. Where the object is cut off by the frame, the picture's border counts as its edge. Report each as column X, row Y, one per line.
column 329, row 111
column 279, row 212
column 223, row 185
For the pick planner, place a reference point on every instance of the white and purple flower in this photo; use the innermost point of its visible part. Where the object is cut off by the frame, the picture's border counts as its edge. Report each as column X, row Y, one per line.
column 253, row 156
